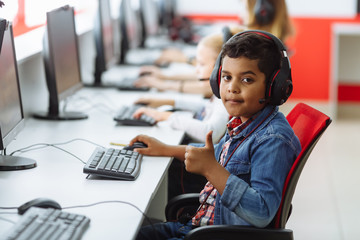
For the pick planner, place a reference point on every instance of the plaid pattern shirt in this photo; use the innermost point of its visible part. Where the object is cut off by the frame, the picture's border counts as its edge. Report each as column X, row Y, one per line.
column 205, row 214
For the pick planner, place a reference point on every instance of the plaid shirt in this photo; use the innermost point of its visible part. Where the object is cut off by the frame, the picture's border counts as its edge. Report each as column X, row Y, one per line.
column 205, row 214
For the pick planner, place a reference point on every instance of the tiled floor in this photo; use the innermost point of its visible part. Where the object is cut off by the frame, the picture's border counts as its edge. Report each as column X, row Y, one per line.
column 326, row 203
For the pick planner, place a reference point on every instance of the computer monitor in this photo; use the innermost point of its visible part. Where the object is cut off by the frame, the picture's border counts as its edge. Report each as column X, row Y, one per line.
column 11, row 110
column 167, row 13
column 104, row 40
column 61, row 62
column 2, row 30
column 130, row 29
column 149, row 16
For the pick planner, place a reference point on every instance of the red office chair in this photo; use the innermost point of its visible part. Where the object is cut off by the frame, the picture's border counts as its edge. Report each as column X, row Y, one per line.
column 308, row 124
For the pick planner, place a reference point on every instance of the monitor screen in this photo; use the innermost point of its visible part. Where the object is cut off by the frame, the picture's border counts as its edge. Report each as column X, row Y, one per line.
column 104, row 40
column 167, row 12
column 11, row 111
column 150, row 16
column 11, row 117
column 61, row 60
column 130, row 29
column 2, row 29
column 107, row 31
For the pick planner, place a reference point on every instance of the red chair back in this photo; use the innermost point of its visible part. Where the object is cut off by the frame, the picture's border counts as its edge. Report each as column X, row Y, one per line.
column 308, row 124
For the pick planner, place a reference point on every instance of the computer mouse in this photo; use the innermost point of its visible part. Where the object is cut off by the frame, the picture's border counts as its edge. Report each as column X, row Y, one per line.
column 162, row 64
column 135, row 145
column 38, row 202
column 165, row 108
column 142, row 74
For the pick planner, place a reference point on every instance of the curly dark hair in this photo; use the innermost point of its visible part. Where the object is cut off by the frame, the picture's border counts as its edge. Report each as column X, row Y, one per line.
column 255, row 47
column 2, row 3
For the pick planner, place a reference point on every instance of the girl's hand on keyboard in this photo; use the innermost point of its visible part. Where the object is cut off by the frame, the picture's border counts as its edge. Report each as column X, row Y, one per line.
column 155, row 102
column 155, row 114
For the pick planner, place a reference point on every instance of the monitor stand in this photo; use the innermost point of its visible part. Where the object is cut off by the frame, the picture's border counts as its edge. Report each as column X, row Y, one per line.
column 10, row 163
column 61, row 116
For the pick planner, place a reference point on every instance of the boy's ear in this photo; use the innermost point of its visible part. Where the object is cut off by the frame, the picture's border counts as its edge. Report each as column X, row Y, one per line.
column 215, row 77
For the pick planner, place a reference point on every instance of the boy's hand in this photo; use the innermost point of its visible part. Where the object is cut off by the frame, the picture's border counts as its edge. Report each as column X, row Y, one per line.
column 154, row 146
column 200, row 160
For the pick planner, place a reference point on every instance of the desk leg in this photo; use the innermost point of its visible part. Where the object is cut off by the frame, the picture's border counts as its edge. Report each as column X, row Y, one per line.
column 157, row 205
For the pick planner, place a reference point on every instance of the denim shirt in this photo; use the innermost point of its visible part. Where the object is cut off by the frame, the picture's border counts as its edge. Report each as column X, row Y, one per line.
column 258, row 170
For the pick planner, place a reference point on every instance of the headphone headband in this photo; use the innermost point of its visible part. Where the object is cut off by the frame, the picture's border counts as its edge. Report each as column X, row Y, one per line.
column 278, row 87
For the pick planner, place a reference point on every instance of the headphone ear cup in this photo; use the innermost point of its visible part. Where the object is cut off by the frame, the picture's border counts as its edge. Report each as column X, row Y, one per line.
column 215, row 77
column 280, row 87
column 264, row 12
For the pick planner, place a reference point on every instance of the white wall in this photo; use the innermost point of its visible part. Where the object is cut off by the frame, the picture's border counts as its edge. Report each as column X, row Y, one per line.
column 298, row 8
column 322, row 8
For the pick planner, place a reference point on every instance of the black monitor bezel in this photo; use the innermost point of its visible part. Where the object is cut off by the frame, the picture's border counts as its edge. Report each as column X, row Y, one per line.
column 101, row 62
column 146, row 30
column 8, row 162
column 11, row 135
column 3, row 24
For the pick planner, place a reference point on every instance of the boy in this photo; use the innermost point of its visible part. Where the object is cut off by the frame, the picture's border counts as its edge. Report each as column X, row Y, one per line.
column 247, row 169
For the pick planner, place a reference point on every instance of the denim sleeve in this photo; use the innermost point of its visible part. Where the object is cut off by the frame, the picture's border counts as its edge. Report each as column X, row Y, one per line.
column 197, row 144
column 257, row 202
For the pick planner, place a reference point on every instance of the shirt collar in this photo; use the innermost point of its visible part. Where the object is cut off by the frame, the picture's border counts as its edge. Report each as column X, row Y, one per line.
column 236, row 126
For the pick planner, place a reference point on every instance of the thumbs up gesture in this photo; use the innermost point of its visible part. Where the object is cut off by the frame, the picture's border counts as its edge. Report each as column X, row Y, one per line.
column 199, row 159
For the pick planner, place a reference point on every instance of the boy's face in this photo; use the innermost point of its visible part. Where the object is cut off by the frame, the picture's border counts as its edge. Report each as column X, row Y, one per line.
column 242, row 86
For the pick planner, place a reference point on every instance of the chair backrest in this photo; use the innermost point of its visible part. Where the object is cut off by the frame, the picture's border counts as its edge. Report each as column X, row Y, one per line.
column 308, row 124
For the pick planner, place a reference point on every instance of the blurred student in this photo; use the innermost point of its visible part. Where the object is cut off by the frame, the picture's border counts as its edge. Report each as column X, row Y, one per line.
column 210, row 113
column 266, row 15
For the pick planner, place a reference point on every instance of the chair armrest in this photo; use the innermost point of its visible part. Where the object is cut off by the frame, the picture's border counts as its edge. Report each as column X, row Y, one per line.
column 231, row 232
column 181, row 204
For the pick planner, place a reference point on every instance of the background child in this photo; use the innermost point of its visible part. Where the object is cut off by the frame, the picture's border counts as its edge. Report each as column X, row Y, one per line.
column 211, row 114
column 276, row 21
column 247, row 169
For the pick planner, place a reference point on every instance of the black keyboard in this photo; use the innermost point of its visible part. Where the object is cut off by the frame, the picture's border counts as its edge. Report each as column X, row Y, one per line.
column 114, row 163
column 48, row 223
column 125, row 117
column 127, row 84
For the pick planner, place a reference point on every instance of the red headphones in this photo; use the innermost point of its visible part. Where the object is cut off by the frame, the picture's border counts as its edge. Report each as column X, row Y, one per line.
column 264, row 12
column 278, row 88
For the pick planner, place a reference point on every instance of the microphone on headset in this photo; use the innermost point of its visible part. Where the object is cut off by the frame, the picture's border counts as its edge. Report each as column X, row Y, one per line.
column 262, row 100
column 204, row 79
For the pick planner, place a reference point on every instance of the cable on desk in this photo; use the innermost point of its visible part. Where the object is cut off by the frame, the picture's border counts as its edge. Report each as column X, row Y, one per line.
column 88, row 100
column 118, row 201
column 7, row 220
column 55, row 145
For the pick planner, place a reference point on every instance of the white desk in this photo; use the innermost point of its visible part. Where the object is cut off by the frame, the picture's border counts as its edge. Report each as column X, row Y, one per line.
column 59, row 175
